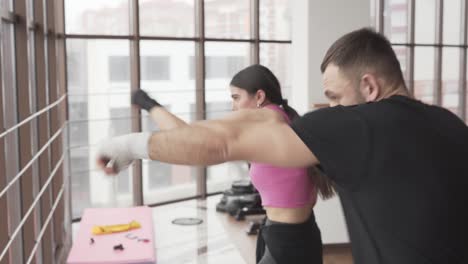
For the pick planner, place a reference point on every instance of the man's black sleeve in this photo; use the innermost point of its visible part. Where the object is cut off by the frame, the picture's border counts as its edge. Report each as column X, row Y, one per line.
column 340, row 139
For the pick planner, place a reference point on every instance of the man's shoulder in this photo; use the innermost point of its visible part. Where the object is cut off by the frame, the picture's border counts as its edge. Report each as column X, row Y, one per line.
column 256, row 115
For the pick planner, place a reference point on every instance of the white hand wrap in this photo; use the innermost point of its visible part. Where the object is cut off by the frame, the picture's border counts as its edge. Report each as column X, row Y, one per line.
column 121, row 151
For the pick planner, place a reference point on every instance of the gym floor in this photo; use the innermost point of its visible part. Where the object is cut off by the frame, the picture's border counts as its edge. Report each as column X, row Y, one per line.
column 218, row 239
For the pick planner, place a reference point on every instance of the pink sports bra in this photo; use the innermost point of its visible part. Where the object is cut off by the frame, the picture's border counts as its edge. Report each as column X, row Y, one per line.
column 282, row 187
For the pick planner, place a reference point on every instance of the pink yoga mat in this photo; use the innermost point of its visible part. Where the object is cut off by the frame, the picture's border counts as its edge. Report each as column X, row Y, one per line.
column 102, row 250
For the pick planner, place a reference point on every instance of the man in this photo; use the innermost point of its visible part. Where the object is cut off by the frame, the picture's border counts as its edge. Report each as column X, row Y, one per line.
column 399, row 165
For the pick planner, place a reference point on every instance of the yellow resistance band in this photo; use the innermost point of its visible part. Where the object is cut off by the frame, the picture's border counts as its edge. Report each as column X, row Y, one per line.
column 109, row 229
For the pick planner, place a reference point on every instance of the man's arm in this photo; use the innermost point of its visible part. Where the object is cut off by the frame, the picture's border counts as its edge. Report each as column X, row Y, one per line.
column 165, row 119
column 252, row 135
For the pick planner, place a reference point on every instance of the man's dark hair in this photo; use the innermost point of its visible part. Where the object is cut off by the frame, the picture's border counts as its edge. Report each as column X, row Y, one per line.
column 362, row 51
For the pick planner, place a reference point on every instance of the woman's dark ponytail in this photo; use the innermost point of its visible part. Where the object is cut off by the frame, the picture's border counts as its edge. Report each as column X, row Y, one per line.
column 322, row 182
column 291, row 112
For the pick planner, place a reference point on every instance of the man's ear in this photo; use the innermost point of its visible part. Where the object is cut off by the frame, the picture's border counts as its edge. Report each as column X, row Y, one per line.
column 370, row 87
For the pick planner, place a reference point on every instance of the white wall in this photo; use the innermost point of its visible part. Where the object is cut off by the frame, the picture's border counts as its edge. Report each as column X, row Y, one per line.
column 315, row 26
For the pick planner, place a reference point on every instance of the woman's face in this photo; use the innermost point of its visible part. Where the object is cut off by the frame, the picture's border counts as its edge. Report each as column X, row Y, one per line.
column 241, row 99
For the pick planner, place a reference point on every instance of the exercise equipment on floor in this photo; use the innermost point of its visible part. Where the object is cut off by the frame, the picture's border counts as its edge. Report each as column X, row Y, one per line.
column 241, row 200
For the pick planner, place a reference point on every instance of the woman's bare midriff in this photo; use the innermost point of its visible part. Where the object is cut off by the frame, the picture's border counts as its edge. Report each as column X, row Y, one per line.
column 289, row 215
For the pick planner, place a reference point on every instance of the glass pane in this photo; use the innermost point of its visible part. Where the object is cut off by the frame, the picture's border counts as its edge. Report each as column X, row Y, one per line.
column 452, row 21
column 30, row 9
column 8, row 78
column 450, row 76
column 169, row 18
column 6, row 5
column 91, row 188
column 396, row 20
column 275, row 19
column 227, row 19
column 424, row 74
column 9, row 143
column 425, row 21
column 223, row 61
column 97, row 17
column 277, row 57
column 402, row 54
column 373, row 9
column 99, row 107
column 166, row 76
column 8, row 68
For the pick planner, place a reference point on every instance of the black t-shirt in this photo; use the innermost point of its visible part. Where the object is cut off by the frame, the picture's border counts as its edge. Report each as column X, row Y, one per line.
column 401, row 169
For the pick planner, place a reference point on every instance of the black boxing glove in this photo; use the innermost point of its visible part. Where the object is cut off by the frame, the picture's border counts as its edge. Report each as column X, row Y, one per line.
column 143, row 100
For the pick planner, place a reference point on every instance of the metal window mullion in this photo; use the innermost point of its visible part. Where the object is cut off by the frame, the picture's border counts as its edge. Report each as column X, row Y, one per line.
column 130, row 37
column 30, row 118
column 47, row 130
column 411, row 36
column 275, row 41
column 25, row 132
column 168, row 38
column 54, row 121
column 11, row 142
column 380, row 16
column 3, row 180
column 438, row 53
column 230, row 40
column 48, row 220
column 85, row 36
column 463, row 63
column 27, row 166
column 60, row 217
column 433, row 45
column 30, row 210
column 135, row 85
column 32, row 28
column 255, row 33
column 200, row 103
column 43, row 120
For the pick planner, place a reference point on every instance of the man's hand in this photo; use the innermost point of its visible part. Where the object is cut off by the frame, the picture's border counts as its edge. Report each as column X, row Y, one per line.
column 116, row 154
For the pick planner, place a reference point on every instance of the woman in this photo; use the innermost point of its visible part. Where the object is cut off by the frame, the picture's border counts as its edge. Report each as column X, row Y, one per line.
column 290, row 233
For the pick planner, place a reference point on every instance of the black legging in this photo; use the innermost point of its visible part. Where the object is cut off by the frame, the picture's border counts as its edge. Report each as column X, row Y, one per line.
column 281, row 243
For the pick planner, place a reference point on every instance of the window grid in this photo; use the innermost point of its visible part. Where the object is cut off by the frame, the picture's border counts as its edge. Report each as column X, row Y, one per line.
column 200, row 74
column 438, row 44
column 31, row 193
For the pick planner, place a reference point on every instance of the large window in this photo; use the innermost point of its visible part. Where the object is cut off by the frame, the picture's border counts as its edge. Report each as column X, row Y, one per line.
column 223, row 60
column 164, row 182
column 99, row 103
column 119, row 68
column 167, row 18
column 430, row 40
column 34, row 188
column 153, row 68
column 97, row 17
column 175, row 46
